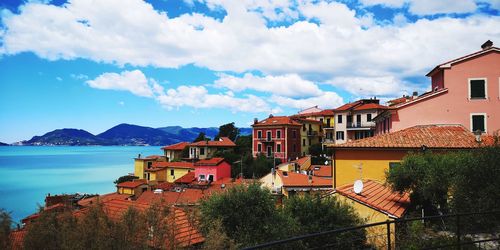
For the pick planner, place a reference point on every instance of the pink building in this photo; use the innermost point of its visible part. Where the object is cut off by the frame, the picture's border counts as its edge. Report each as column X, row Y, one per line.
column 464, row 91
column 212, row 169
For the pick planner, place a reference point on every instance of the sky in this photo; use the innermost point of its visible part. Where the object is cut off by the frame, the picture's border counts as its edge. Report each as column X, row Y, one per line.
column 93, row 64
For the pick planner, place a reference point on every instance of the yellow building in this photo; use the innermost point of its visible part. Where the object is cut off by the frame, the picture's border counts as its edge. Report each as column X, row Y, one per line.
column 132, row 188
column 167, row 171
column 141, row 164
column 372, row 157
column 376, row 203
column 327, row 120
column 310, row 134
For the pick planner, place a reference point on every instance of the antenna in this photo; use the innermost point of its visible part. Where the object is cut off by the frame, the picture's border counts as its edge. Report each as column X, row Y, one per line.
column 358, row 186
column 360, row 168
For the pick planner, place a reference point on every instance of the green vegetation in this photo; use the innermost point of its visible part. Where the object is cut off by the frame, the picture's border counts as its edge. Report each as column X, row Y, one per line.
column 201, row 137
column 125, row 178
column 249, row 216
column 5, row 228
column 228, row 130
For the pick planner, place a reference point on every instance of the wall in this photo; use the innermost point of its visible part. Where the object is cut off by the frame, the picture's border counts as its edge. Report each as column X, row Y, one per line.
column 340, row 127
column 139, row 166
column 122, row 190
column 178, row 173
column 309, row 140
column 374, row 164
column 455, row 107
column 223, row 170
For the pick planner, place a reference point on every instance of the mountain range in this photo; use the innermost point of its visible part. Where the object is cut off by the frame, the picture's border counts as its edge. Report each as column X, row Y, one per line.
column 124, row 134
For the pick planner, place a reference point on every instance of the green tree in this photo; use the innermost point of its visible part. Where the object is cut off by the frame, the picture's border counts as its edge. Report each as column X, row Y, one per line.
column 5, row 228
column 248, row 215
column 201, row 137
column 228, row 130
column 125, row 178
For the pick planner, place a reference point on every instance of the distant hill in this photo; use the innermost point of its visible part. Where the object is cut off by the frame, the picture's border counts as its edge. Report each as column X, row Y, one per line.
column 125, row 134
column 4, row 144
column 66, row 136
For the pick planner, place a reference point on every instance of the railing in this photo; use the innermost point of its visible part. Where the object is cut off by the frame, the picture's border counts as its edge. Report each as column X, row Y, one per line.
column 360, row 124
column 451, row 231
column 312, row 133
column 266, row 139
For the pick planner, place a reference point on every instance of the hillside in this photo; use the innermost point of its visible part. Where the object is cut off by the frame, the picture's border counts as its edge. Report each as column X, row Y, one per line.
column 127, row 134
column 66, row 136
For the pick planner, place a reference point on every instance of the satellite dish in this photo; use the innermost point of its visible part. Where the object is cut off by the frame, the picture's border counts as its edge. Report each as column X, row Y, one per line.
column 358, row 186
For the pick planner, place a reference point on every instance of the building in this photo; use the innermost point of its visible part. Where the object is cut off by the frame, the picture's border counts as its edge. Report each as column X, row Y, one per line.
column 141, row 164
column 353, row 121
column 464, row 91
column 168, row 171
column 132, row 188
column 174, row 152
column 311, row 134
column 289, row 183
column 376, row 203
column 327, row 120
column 278, row 137
column 370, row 158
column 212, row 169
column 206, row 149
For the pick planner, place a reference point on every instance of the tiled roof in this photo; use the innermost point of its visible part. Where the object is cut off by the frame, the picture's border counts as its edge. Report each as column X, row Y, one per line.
column 321, row 170
column 432, row 136
column 130, row 184
column 347, row 106
column 17, row 238
column 277, row 120
column 304, row 120
column 186, row 179
column 209, row 162
column 179, row 164
column 184, row 196
column 222, row 142
column 102, row 198
column 186, row 234
column 326, row 112
column 303, row 160
column 379, row 197
column 292, row 179
column 115, row 209
column 178, row 146
column 369, row 106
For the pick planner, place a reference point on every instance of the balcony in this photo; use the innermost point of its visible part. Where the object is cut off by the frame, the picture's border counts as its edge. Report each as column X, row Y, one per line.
column 266, row 139
column 360, row 125
column 311, row 133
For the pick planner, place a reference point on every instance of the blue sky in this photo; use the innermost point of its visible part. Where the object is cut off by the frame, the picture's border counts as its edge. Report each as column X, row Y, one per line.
column 94, row 64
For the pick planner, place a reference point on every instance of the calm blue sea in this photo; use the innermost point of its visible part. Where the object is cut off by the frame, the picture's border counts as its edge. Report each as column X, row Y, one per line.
column 30, row 173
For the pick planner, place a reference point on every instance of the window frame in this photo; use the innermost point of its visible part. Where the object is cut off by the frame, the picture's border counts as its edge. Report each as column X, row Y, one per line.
column 339, row 119
column 259, row 134
column 278, row 148
column 259, row 147
column 338, row 137
column 278, row 134
column 485, row 116
column 200, row 177
column 485, row 88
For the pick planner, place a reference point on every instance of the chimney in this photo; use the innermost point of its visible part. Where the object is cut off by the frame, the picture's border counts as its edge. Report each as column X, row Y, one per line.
column 415, row 93
column 488, row 44
column 271, row 115
column 255, row 120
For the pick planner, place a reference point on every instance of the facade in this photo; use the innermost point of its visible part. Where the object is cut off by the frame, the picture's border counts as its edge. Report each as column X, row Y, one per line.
column 289, row 183
column 311, row 133
column 464, row 91
column 168, row 171
column 327, row 120
column 174, row 152
column 132, row 188
column 212, row 169
column 206, row 149
column 370, row 158
column 142, row 164
column 353, row 121
column 278, row 137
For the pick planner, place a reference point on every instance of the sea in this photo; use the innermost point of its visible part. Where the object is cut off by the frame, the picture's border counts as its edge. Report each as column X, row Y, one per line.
column 29, row 173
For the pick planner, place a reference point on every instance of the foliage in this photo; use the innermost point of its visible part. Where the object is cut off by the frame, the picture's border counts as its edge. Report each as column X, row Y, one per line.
column 201, row 137
column 228, row 130
column 244, row 145
column 185, row 152
column 216, row 237
column 248, row 215
column 5, row 228
column 314, row 214
column 125, row 178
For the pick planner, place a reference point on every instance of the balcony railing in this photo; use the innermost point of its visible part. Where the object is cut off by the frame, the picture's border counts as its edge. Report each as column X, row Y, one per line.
column 266, row 139
column 312, row 133
column 360, row 124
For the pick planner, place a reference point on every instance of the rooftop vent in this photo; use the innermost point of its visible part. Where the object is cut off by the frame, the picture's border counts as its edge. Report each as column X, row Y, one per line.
column 488, row 44
column 415, row 93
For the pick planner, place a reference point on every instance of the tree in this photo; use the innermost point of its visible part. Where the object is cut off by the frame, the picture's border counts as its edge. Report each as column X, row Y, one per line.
column 5, row 228
column 248, row 215
column 228, row 130
column 125, row 178
column 201, row 137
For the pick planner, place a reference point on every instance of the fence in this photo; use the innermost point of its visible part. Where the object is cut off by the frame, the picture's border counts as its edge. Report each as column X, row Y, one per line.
column 479, row 230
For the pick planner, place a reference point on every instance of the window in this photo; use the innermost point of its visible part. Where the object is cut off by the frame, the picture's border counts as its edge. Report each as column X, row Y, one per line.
column 340, row 135
column 201, row 177
column 358, row 118
column 478, row 88
column 259, row 134
column 269, row 151
column 278, row 148
column 339, row 119
column 150, row 164
column 303, row 142
column 369, row 117
column 478, row 122
column 303, row 127
column 294, row 134
column 349, row 119
column 202, row 151
column 172, row 172
column 269, row 135
column 278, row 134
column 259, row 147
column 210, row 178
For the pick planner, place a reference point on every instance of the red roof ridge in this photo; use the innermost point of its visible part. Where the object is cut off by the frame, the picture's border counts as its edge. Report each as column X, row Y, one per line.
column 176, row 146
column 210, row 162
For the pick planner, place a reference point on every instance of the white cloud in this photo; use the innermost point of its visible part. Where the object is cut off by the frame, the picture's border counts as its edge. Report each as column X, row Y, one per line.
column 291, row 85
column 79, row 76
column 133, row 81
column 388, row 3
column 373, row 86
column 59, row 78
column 430, row 7
column 326, row 100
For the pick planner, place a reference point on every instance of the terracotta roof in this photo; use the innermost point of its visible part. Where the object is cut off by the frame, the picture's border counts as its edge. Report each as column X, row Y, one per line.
column 222, row 142
column 422, row 97
column 130, row 184
column 326, row 112
column 184, row 196
column 178, row 146
column 321, row 170
column 292, row 179
column 370, row 106
column 186, row 179
column 102, row 198
column 302, row 160
column 304, row 120
column 277, row 121
column 463, row 58
column 347, row 106
column 179, row 164
column 379, row 197
column 432, row 136
column 17, row 238
column 115, row 209
column 186, row 234
column 209, row 162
